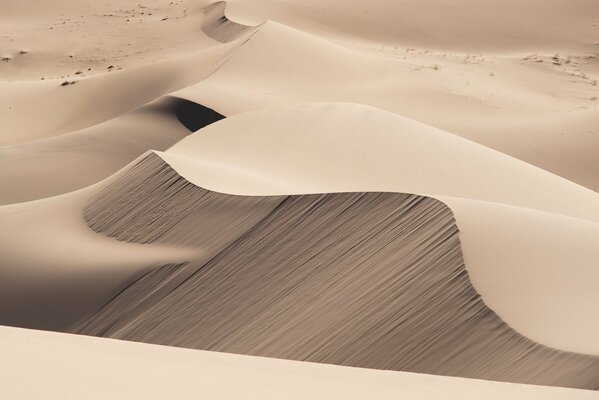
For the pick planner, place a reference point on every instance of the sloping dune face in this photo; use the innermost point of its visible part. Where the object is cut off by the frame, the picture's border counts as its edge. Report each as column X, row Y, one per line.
column 219, row 27
column 372, row 280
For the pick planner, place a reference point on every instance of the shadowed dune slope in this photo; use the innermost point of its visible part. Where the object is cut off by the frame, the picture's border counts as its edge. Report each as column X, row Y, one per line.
column 320, row 143
column 373, row 280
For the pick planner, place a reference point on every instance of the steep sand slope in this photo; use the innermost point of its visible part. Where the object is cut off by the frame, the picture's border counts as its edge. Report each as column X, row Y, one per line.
column 56, row 40
column 162, row 372
column 327, row 137
column 78, row 159
column 87, row 100
column 55, row 270
column 528, row 237
column 373, row 280
column 92, row 100
column 347, row 147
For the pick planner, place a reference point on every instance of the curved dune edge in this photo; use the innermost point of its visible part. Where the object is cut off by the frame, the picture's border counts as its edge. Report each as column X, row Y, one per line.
column 97, row 98
column 219, row 27
column 168, row 372
column 374, row 146
column 73, row 270
column 389, row 264
column 344, row 147
column 72, row 161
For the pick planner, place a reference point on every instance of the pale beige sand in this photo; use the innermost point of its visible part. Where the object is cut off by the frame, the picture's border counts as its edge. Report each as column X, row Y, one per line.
column 466, row 25
column 512, row 95
column 518, row 77
column 55, row 270
column 567, row 328
column 60, row 366
column 68, row 162
column 60, row 38
column 95, row 99
column 503, row 99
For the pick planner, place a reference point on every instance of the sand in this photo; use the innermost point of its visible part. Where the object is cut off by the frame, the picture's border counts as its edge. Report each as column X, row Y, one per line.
column 492, row 195
column 130, row 208
column 163, row 372
column 373, row 280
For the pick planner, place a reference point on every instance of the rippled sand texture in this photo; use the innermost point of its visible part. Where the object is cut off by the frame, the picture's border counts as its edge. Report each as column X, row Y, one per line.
column 373, row 280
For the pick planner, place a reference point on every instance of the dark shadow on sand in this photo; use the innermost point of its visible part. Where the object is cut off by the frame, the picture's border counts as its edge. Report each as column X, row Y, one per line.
column 194, row 116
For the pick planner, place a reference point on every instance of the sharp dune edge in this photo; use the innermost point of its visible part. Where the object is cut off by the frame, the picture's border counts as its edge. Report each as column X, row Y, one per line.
column 38, row 169
column 374, row 150
column 372, row 280
column 395, row 185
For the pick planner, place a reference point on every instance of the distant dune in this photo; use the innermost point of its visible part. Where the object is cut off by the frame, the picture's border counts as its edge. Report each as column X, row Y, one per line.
column 162, row 372
column 373, row 280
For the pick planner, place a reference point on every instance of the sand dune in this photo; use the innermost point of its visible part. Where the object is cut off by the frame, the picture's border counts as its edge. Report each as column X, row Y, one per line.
column 371, row 280
column 56, row 270
column 217, row 26
column 396, row 185
column 495, row 95
column 372, row 146
column 95, row 99
column 72, row 161
column 468, row 25
column 390, row 153
column 162, row 372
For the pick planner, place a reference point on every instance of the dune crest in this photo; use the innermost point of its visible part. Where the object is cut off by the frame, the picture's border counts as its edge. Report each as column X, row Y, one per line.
column 166, row 372
column 219, row 27
column 72, row 161
column 345, row 186
column 373, row 280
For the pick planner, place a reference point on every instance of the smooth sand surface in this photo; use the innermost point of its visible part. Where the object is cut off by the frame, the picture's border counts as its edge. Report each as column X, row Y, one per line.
column 60, row 366
column 68, row 162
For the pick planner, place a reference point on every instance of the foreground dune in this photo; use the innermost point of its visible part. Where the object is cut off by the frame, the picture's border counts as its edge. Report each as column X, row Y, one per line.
column 163, row 372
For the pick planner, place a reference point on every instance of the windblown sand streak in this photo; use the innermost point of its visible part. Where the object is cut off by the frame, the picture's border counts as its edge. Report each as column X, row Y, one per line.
column 374, row 280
